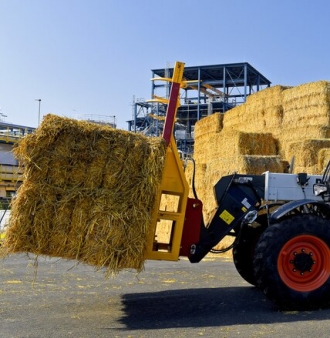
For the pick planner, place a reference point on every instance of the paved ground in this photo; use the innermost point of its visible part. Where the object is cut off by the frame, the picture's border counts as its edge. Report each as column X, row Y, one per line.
column 168, row 299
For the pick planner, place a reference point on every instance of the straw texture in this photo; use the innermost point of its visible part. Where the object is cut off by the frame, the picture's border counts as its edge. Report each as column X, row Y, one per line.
column 87, row 194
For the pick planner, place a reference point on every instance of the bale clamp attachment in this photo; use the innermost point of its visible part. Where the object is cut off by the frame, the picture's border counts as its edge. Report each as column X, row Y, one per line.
column 169, row 213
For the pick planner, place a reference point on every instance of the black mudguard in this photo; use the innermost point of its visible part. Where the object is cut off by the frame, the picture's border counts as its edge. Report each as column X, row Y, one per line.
column 287, row 207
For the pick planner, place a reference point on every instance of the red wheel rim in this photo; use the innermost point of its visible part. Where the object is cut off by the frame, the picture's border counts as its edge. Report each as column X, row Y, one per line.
column 304, row 263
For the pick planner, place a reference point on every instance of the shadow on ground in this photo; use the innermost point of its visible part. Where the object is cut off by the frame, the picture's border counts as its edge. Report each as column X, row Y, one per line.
column 206, row 307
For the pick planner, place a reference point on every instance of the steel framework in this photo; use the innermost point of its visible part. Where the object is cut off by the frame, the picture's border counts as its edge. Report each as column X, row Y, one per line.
column 207, row 89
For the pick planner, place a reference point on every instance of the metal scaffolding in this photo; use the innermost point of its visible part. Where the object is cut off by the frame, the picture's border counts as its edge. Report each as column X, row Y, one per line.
column 209, row 89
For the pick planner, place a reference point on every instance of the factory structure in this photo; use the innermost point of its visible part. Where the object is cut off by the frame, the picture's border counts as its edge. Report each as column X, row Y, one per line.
column 10, row 174
column 208, row 89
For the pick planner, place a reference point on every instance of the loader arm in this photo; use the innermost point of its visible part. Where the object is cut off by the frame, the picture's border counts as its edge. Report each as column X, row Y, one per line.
column 238, row 198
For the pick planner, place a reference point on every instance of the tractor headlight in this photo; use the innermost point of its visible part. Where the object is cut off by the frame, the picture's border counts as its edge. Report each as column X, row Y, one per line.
column 319, row 189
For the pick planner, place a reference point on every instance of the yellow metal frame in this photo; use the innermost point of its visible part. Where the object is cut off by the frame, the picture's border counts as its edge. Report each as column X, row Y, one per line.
column 174, row 183
column 11, row 136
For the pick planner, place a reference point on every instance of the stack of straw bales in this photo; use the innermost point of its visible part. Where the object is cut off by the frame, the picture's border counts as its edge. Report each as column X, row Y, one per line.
column 220, row 152
column 306, row 127
column 87, row 194
column 263, row 111
column 263, row 134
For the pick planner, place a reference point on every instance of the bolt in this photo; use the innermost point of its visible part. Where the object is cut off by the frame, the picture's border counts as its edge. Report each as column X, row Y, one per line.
column 301, row 273
column 294, row 270
column 291, row 262
column 302, row 250
column 294, row 254
column 311, row 253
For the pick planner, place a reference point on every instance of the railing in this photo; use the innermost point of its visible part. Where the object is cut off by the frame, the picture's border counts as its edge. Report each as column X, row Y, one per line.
column 10, row 173
column 13, row 135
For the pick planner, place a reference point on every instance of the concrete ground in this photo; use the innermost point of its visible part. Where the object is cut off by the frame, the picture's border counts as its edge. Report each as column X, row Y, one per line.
column 57, row 298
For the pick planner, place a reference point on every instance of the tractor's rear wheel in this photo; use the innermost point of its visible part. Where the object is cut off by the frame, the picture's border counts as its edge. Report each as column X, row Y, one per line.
column 292, row 262
column 243, row 251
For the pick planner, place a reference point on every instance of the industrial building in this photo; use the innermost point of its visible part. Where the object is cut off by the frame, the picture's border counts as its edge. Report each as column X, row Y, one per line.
column 208, row 89
column 10, row 175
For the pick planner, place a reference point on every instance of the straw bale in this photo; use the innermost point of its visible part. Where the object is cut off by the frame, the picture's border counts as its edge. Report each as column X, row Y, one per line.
column 204, row 146
column 88, row 194
column 268, row 97
column 323, row 157
column 234, row 118
column 308, row 94
column 273, row 117
column 301, row 133
column 307, row 115
column 198, row 170
column 253, row 118
column 306, row 154
column 256, row 144
column 229, row 144
column 259, row 164
column 311, row 170
column 262, row 112
column 213, row 124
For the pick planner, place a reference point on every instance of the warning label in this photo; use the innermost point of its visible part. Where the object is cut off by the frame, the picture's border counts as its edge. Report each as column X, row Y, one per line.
column 227, row 217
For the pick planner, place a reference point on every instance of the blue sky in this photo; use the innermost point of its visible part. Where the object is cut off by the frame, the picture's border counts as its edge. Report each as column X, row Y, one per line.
column 92, row 56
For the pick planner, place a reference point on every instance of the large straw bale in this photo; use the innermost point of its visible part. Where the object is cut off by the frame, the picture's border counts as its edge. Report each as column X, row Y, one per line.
column 262, row 112
column 306, row 154
column 307, row 106
column 211, row 124
column 234, row 118
column 260, row 164
column 229, row 144
column 251, row 118
column 307, row 115
column 308, row 94
column 256, row 144
column 300, row 134
column 88, row 194
column 323, row 159
column 268, row 97
column 205, row 145
column 273, row 117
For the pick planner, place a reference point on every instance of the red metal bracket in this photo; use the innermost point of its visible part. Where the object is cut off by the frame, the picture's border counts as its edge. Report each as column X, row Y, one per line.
column 173, row 102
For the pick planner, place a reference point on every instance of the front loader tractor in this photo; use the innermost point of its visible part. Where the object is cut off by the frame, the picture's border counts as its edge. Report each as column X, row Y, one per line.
column 279, row 222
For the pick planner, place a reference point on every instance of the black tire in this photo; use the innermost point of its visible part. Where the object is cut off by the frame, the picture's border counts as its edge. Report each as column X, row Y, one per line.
column 243, row 252
column 292, row 263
